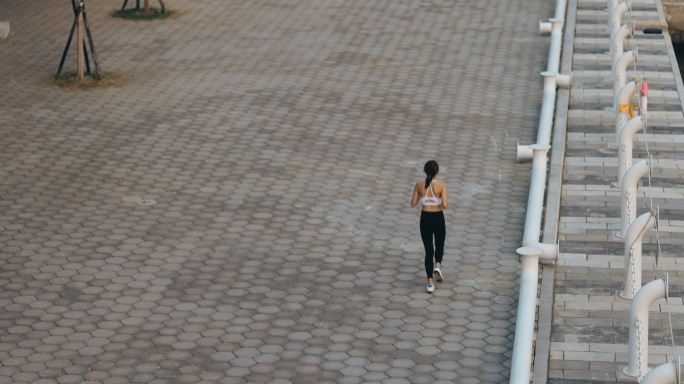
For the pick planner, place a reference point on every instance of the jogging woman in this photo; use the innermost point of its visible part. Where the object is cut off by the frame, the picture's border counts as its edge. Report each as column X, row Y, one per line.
column 432, row 195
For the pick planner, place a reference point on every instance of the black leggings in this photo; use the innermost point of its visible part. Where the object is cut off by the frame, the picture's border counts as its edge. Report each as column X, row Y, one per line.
column 432, row 224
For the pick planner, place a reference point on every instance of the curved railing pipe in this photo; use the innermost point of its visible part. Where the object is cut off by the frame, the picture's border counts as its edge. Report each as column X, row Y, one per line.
column 626, row 145
column 617, row 41
column 633, row 246
column 638, row 326
column 619, row 68
column 616, row 15
column 628, row 195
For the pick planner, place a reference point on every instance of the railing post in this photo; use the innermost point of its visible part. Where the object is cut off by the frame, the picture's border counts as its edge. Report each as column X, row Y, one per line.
column 626, row 145
column 628, row 196
column 638, row 326
column 623, row 97
column 633, row 246
column 616, row 14
column 619, row 68
column 617, row 41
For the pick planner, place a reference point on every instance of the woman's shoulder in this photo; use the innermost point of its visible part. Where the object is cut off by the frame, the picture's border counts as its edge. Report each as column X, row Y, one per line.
column 434, row 182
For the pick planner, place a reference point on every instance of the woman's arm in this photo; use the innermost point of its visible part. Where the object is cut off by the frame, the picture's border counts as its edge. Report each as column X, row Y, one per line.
column 445, row 202
column 415, row 197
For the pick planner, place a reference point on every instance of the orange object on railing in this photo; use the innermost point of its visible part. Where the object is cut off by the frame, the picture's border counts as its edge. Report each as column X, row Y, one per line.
column 627, row 108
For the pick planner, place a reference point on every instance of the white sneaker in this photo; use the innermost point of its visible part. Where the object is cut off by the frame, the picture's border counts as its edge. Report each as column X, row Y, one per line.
column 438, row 275
column 430, row 288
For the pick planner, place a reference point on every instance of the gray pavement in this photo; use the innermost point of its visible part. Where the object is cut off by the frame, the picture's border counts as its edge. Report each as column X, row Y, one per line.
column 236, row 210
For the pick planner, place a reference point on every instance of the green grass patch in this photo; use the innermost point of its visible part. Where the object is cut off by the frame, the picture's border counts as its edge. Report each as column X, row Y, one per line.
column 139, row 14
column 70, row 81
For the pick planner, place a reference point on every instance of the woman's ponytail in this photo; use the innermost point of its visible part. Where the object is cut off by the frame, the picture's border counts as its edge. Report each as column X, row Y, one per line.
column 431, row 169
column 428, row 180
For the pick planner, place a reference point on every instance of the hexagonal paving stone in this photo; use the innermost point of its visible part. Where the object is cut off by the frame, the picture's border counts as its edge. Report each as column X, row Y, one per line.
column 235, row 210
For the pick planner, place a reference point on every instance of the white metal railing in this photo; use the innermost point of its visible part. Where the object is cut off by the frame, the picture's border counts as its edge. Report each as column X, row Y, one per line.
column 624, row 93
column 617, row 41
column 638, row 326
column 626, row 144
column 633, row 245
column 629, row 174
column 634, row 228
column 532, row 250
column 617, row 11
column 628, row 194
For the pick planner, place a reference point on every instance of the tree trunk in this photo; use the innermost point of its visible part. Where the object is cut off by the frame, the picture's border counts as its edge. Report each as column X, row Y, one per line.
column 146, row 9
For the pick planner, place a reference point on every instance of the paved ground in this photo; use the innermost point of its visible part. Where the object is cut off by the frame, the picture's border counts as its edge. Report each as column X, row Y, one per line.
column 590, row 322
column 237, row 209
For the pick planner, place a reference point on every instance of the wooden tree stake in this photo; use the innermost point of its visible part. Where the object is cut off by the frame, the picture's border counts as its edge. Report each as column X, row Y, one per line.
column 80, row 55
column 83, row 56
